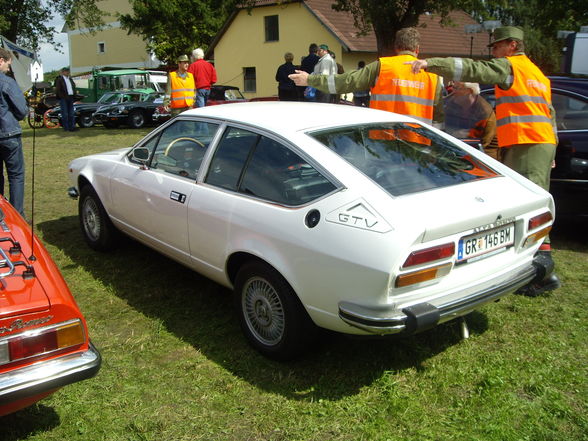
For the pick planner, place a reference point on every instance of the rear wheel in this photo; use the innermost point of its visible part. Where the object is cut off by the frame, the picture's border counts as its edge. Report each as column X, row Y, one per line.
column 136, row 119
column 34, row 119
column 96, row 226
column 271, row 315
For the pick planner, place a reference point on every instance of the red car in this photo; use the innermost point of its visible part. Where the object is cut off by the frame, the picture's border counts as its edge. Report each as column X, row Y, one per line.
column 44, row 342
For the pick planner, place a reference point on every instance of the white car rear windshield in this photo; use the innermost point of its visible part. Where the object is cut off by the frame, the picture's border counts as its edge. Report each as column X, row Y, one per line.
column 404, row 158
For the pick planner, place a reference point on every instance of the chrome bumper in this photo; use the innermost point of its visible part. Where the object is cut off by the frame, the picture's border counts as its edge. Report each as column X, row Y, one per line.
column 48, row 375
column 422, row 316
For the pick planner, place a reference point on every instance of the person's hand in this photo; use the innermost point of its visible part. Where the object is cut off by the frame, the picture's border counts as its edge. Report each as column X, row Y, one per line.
column 300, row 78
column 417, row 65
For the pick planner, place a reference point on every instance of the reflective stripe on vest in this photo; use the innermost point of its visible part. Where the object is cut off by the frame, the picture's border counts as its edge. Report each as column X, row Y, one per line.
column 182, row 90
column 398, row 90
column 522, row 112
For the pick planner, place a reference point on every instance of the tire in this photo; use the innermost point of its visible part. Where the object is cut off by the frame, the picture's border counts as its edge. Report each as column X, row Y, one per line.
column 34, row 119
column 136, row 119
column 85, row 121
column 96, row 226
column 271, row 315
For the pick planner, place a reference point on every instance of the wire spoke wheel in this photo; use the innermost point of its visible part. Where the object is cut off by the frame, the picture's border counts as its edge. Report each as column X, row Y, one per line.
column 264, row 312
column 34, row 119
column 91, row 219
column 96, row 226
column 272, row 317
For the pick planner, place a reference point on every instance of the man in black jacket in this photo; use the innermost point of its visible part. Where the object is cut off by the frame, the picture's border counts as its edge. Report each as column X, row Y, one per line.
column 65, row 90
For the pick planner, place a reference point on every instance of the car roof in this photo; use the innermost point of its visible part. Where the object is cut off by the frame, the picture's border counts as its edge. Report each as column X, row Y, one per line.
column 569, row 84
column 295, row 116
column 577, row 85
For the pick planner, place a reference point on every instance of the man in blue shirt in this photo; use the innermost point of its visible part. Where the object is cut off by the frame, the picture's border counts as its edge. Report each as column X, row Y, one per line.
column 13, row 108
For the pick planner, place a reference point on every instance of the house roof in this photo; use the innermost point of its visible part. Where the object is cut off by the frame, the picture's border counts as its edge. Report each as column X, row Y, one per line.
column 436, row 40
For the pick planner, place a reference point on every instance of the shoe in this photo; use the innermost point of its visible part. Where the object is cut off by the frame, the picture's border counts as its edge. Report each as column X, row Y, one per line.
column 550, row 283
column 74, row 129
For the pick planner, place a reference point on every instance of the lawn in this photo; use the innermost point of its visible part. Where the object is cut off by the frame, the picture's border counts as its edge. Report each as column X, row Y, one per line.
column 176, row 367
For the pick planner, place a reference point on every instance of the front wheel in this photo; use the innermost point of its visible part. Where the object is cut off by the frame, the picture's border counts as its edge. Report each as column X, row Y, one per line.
column 85, row 121
column 271, row 315
column 96, row 226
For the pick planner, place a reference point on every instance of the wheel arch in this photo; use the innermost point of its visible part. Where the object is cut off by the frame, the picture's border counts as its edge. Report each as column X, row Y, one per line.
column 240, row 258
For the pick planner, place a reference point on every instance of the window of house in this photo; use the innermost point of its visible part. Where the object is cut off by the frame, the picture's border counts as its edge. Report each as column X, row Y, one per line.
column 101, row 47
column 249, row 79
column 272, row 29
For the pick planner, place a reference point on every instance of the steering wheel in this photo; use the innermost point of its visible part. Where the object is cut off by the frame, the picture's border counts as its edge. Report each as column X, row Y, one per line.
column 185, row 138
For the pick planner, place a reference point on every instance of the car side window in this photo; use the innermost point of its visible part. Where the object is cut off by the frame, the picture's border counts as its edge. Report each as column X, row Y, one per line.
column 262, row 167
column 181, row 147
column 570, row 113
column 278, row 174
column 230, row 157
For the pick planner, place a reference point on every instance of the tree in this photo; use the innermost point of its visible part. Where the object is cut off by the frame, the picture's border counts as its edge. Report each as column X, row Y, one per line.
column 176, row 27
column 25, row 21
column 387, row 17
column 540, row 20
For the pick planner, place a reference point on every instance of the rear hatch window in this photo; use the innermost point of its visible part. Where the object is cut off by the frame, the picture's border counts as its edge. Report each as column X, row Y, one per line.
column 404, row 158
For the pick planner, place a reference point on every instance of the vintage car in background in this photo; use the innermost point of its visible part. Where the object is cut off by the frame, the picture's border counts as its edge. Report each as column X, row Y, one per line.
column 44, row 342
column 351, row 219
column 135, row 112
column 84, row 111
column 219, row 94
column 569, row 178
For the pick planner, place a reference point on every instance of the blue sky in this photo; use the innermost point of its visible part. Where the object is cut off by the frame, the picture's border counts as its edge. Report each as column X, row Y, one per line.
column 51, row 58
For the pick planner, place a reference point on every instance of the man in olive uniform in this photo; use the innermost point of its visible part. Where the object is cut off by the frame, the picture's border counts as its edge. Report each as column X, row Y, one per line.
column 525, row 118
column 417, row 95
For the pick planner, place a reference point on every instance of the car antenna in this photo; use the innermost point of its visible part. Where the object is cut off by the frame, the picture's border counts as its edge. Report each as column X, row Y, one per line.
column 32, row 256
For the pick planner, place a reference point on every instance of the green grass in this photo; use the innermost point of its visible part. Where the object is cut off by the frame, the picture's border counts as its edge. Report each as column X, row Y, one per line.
column 176, row 367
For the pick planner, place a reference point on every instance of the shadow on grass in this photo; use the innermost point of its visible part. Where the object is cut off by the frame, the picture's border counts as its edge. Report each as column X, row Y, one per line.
column 85, row 132
column 201, row 313
column 26, row 422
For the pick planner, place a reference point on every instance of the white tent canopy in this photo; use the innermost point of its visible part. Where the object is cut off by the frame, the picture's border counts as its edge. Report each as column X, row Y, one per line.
column 21, row 63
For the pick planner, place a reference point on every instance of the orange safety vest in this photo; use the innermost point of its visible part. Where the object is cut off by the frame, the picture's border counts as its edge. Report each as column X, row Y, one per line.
column 522, row 112
column 399, row 90
column 182, row 90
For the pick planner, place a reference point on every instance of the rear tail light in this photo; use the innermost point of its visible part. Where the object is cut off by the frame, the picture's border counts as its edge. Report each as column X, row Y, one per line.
column 41, row 341
column 439, row 253
column 536, row 222
column 430, row 255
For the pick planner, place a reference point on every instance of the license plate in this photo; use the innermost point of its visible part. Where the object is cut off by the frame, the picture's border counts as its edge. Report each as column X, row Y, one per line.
column 485, row 243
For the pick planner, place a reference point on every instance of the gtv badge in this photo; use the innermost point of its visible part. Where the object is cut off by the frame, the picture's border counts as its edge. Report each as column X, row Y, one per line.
column 359, row 214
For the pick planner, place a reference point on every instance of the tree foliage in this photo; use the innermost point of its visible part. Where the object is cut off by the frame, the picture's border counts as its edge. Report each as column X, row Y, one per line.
column 175, row 27
column 540, row 19
column 26, row 21
column 387, row 17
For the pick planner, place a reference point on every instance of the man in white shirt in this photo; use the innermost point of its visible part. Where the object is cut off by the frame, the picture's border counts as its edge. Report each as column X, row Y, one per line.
column 325, row 66
column 65, row 90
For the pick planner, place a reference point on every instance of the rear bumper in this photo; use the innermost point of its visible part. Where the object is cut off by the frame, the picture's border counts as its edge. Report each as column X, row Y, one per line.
column 45, row 376
column 422, row 316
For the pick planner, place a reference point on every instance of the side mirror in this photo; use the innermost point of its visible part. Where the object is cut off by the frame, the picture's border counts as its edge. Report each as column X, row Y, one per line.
column 140, row 154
